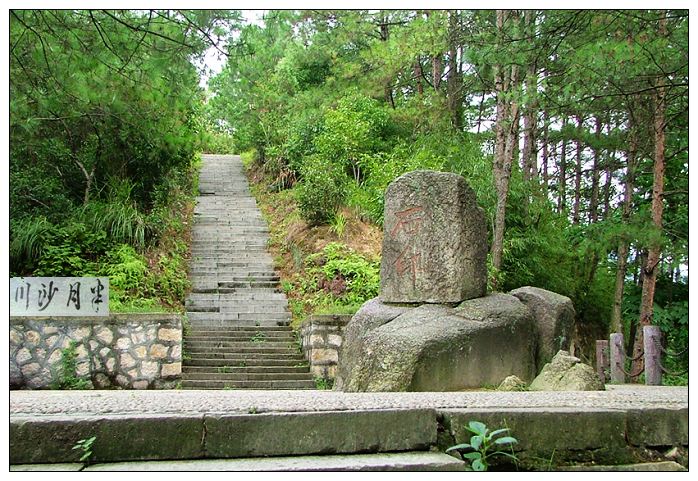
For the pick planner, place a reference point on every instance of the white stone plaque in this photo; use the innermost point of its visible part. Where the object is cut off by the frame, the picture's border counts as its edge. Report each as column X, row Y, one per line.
column 59, row 296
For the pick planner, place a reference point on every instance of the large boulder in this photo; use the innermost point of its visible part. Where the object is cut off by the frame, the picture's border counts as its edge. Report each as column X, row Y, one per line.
column 438, row 348
column 567, row 373
column 554, row 315
column 434, row 240
column 371, row 315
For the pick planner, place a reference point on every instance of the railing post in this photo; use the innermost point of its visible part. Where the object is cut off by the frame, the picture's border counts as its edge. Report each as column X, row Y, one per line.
column 602, row 362
column 653, row 353
column 617, row 358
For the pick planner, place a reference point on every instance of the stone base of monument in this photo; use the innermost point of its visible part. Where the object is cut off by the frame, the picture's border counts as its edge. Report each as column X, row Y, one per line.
column 436, row 347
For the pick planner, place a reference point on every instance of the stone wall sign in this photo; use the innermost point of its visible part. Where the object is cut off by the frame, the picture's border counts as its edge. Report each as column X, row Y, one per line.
column 59, row 296
column 434, row 242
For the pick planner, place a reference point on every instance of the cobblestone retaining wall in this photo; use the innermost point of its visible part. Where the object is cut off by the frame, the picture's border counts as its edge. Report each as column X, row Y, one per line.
column 131, row 351
column 321, row 337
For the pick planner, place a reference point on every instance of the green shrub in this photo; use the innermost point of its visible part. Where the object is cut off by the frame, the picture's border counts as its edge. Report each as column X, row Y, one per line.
column 127, row 271
column 361, row 276
column 322, row 190
column 67, row 376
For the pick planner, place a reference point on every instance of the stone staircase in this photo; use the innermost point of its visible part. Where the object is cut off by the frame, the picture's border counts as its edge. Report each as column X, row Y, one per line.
column 239, row 336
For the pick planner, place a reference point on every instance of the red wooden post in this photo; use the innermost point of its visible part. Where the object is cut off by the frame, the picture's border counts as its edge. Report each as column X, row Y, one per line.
column 653, row 355
column 617, row 358
column 602, row 361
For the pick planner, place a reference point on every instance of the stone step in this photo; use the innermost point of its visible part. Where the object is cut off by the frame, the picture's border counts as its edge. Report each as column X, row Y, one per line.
column 257, row 369
column 240, row 304
column 242, row 329
column 211, row 339
column 227, row 264
column 240, row 348
column 266, row 295
column 217, row 384
column 405, row 461
column 223, row 318
column 193, row 435
column 237, row 272
column 230, row 323
column 221, row 374
column 259, row 361
column 236, row 358
column 258, row 341
column 247, row 284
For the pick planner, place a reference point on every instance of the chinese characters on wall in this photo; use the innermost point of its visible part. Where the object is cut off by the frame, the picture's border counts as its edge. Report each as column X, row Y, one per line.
column 59, row 296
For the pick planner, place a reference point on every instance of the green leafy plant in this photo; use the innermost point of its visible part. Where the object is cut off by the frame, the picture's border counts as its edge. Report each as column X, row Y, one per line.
column 483, row 445
column 258, row 337
column 225, row 369
column 85, row 445
column 322, row 383
column 68, row 378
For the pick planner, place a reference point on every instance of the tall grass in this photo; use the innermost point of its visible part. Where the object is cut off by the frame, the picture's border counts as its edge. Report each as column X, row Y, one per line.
column 122, row 222
column 28, row 238
column 119, row 216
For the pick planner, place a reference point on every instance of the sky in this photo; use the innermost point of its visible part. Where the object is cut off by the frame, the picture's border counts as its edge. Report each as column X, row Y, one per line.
column 213, row 60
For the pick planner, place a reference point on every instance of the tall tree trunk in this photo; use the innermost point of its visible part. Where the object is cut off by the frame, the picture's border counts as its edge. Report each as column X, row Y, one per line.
column 655, row 249
column 545, row 153
column 454, row 79
column 595, row 176
column 418, row 76
column 388, row 88
column 608, row 185
column 578, row 174
column 562, row 181
column 624, row 243
column 529, row 154
column 506, row 79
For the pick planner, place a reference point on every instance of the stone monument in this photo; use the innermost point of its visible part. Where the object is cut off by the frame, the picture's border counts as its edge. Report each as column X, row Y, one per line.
column 433, row 327
column 435, row 240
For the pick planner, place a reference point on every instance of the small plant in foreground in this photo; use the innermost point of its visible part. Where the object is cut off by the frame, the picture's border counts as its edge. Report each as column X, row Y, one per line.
column 258, row 337
column 68, row 370
column 323, row 383
column 85, row 445
column 483, row 445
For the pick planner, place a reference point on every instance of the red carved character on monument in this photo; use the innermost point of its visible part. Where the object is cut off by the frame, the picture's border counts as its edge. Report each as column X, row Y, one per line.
column 408, row 220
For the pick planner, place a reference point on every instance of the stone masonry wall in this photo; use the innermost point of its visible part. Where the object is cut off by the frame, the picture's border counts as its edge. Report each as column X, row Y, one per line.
column 321, row 337
column 130, row 351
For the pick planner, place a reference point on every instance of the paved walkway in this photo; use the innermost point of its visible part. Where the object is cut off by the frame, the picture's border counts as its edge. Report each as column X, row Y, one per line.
column 239, row 336
column 233, row 278
column 115, row 403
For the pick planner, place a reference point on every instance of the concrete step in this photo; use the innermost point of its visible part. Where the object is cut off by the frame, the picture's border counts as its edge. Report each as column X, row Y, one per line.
column 240, row 348
column 257, row 339
column 406, row 461
column 237, row 306
column 286, row 355
column 259, row 361
column 244, row 284
column 243, row 336
column 213, row 317
column 247, row 369
column 184, row 435
column 221, row 374
column 285, row 339
column 227, row 323
column 242, row 329
column 260, row 385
